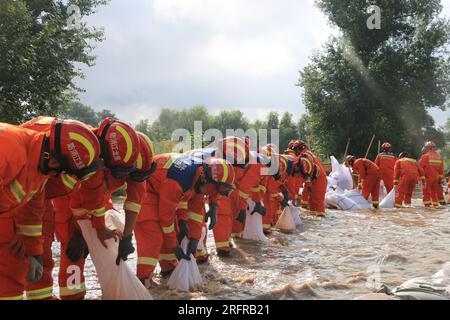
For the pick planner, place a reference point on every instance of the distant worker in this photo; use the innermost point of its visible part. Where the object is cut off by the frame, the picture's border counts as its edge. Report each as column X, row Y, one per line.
column 368, row 177
column 432, row 164
column 386, row 160
column 407, row 172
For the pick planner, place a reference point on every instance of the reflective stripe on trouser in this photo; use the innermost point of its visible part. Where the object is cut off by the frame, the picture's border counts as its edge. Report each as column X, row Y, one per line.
column 13, row 271
column 371, row 187
column 317, row 195
column 431, row 191
column 272, row 206
column 222, row 230
column 150, row 246
column 405, row 190
column 43, row 289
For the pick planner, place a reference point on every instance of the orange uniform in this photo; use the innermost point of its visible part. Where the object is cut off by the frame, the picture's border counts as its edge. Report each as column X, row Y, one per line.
column 272, row 199
column 90, row 201
column 406, row 174
column 169, row 188
column 305, row 202
column 433, row 166
column 369, row 179
column 386, row 162
column 21, row 204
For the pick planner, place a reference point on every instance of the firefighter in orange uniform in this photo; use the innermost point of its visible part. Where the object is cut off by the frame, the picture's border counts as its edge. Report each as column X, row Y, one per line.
column 386, row 161
column 316, row 180
column 433, row 166
column 178, row 178
column 30, row 157
column 406, row 174
column 127, row 158
column 369, row 177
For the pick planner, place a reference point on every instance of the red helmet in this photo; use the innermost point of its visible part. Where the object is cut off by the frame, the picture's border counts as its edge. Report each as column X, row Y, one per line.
column 290, row 152
column 75, row 146
column 349, row 160
column 234, row 149
column 307, row 166
column 297, row 146
column 120, row 146
column 430, row 145
column 269, row 149
column 286, row 163
column 386, row 146
column 144, row 163
column 220, row 171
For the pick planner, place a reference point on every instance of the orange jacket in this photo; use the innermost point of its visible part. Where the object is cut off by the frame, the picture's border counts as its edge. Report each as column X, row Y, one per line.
column 173, row 182
column 22, row 184
column 407, row 167
column 193, row 211
column 386, row 162
column 247, row 183
column 365, row 168
column 95, row 192
column 432, row 164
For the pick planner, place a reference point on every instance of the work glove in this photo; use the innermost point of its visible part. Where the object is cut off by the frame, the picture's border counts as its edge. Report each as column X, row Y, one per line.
column 192, row 247
column 77, row 247
column 285, row 202
column 125, row 248
column 179, row 253
column 259, row 208
column 241, row 216
column 36, row 269
column 212, row 215
column 182, row 230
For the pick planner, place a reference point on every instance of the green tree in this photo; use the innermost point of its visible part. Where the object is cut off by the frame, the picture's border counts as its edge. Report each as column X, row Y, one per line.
column 78, row 111
column 288, row 130
column 380, row 82
column 39, row 53
column 105, row 113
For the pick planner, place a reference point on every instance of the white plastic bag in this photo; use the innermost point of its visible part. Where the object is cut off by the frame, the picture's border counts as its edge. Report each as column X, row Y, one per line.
column 253, row 229
column 285, row 223
column 345, row 203
column 389, row 201
column 117, row 282
column 341, row 175
column 186, row 276
column 201, row 246
column 356, row 197
column 295, row 212
column 331, row 199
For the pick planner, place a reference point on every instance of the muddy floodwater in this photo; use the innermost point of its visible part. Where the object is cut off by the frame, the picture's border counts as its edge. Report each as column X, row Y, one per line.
column 341, row 256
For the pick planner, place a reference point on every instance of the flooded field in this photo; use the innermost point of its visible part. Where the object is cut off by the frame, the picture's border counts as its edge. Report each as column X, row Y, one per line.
column 341, row 256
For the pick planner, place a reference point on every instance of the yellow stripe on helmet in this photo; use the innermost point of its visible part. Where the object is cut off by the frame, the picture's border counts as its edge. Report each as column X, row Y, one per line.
column 128, row 141
column 240, row 148
column 139, row 162
column 310, row 166
column 85, row 142
column 149, row 142
column 225, row 171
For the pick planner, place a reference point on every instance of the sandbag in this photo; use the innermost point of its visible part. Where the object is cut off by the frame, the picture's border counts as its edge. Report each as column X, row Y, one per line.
column 186, row 276
column 389, row 201
column 356, row 197
column 341, row 174
column 295, row 212
column 253, row 229
column 117, row 282
column 285, row 223
column 345, row 203
column 331, row 199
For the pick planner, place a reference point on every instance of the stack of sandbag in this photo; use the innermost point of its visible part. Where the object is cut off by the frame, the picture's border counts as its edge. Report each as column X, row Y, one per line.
column 286, row 223
column 186, row 276
column 389, row 201
column 295, row 212
column 357, row 198
column 117, row 282
column 253, row 229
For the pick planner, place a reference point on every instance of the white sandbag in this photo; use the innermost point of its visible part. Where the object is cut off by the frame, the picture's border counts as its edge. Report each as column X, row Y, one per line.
column 389, row 201
column 383, row 191
column 285, row 223
column 331, row 199
column 117, row 282
column 356, row 197
column 253, row 229
column 295, row 212
column 345, row 203
column 186, row 276
column 201, row 245
column 341, row 174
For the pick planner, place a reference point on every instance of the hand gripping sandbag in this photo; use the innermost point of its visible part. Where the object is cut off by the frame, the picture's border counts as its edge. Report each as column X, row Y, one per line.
column 117, row 282
column 285, row 223
column 253, row 229
column 389, row 201
column 186, row 276
column 295, row 212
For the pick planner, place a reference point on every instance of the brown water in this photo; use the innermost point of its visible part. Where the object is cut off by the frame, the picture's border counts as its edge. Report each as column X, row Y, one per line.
column 342, row 256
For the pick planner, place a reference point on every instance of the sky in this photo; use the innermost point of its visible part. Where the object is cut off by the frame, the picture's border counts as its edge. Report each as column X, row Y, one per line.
column 223, row 54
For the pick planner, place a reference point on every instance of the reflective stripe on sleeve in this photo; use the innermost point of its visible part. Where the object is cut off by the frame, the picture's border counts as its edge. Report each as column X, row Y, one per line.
column 132, row 206
column 195, row 217
column 147, row 261
column 30, row 230
column 168, row 229
column 40, row 294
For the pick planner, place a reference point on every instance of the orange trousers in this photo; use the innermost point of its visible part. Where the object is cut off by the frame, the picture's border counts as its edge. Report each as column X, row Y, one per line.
column 71, row 279
column 43, row 289
column 223, row 227
column 13, row 271
column 272, row 205
column 388, row 180
column 405, row 190
column 371, row 187
column 306, row 195
column 151, row 248
column 317, row 194
column 431, row 192
column 203, row 255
